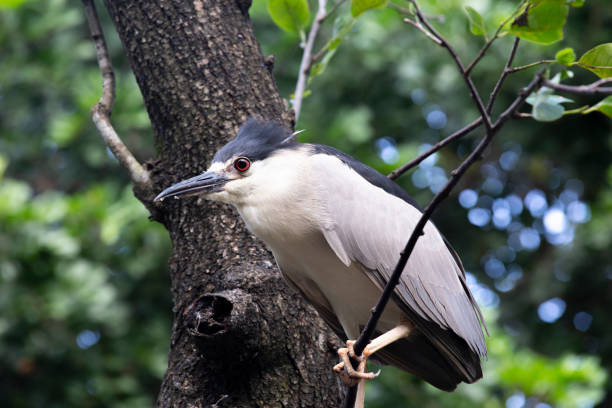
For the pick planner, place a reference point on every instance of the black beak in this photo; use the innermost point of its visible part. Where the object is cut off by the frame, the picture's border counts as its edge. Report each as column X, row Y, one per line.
column 209, row 182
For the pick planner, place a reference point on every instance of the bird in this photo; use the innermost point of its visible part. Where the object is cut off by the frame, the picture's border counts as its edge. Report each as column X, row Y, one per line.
column 336, row 228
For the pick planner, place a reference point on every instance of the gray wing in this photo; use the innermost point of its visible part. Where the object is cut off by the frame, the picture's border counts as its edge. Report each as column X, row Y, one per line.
column 367, row 225
column 318, row 301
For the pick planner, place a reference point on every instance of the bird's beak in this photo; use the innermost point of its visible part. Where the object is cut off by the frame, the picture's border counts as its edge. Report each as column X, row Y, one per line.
column 205, row 183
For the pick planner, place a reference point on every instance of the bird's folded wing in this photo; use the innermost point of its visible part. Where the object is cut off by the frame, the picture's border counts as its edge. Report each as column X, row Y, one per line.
column 365, row 224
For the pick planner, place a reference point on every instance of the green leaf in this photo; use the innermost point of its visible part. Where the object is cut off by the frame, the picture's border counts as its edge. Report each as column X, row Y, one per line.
column 477, row 23
column 290, row 15
column 547, row 112
column 604, row 106
column 576, row 3
column 566, row 56
column 11, row 3
column 598, row 60
column 546, row 105
column 542, row 21
column 360, row 6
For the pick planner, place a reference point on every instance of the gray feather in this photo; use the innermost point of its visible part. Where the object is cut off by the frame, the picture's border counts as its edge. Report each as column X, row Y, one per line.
column 368, row 225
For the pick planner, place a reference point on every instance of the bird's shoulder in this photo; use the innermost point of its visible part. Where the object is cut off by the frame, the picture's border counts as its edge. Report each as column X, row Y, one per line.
column 368, row 173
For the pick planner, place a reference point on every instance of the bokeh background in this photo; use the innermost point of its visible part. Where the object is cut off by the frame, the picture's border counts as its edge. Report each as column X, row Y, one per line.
column 85, row 308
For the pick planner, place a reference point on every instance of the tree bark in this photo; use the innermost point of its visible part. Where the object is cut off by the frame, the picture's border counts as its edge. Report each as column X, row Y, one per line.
column 241, row 337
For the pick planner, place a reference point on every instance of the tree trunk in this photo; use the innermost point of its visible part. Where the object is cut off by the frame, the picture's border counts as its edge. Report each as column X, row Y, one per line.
column 241, row 337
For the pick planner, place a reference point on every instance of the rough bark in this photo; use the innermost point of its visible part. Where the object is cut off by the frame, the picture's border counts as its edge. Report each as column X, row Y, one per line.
column 241, row 337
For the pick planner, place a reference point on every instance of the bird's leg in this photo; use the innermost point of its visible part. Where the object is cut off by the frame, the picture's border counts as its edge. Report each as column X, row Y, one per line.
column 398, row 332
column 360, row 397
column 345, row 369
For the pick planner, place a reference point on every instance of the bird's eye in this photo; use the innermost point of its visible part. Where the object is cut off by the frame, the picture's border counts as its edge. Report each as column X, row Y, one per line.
column 242, row 164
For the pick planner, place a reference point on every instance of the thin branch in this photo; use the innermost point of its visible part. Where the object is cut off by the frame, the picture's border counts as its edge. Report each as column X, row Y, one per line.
column 485, row 48
column 591, row 89
column 332, row 10
column 510, row 111
column 468, row 81
column 306, row 63
column 503, row 76
column 318, row 54
column 581, row 110
column 416, row 24
column 101, row 111
column 481, row 54
column 533, row 64
column 401, row 10
column 420, row 27
column 456, row 175
column 322, row 51
column 458, row 134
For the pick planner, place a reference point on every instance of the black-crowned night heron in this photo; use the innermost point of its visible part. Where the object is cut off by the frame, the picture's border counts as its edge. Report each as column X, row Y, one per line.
column 336, row 228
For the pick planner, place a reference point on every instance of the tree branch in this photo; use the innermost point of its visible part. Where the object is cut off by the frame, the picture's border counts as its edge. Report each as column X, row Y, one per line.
column 456, row 175
column 591, row 89
column 522, row 115
column 508, row 114
column 332, row 10
column 533, row 64
column 306, row 63
column 484, row 49
column 458, row 134
column 503, row 76
column 468, row 81
column 101, row 111
column 420, row 27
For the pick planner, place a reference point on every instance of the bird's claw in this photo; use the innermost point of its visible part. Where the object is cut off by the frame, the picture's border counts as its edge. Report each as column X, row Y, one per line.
column 349, row 375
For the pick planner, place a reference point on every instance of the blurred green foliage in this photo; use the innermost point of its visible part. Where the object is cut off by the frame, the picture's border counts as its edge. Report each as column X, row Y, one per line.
column 84, row 289
column 84, row 292
column 84, row 296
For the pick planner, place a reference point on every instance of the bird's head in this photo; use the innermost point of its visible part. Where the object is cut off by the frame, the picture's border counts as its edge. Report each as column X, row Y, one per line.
column 260, row 160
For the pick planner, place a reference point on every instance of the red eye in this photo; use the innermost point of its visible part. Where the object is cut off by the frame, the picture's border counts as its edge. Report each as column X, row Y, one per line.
column 242, row 164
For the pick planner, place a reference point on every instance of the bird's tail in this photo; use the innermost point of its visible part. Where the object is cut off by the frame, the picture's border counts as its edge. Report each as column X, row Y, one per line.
column 434, row 363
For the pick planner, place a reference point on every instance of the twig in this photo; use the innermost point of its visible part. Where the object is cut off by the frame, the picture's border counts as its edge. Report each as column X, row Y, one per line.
column 533, row 64
column 101, row 111
column 503, row 76
column 322, row 51
column 458, row 134
column 401, row 10
column 413, row 23
column 522, row 115
column 420, row 27
column 468, row 81
column 318, row 54
column 481, row 54
column 456, row 175
column 332, row 10
column 506, row 115
column 583, row 110
column 306, row 63
column 485, row 48
column 591, row 89
column 491, row 130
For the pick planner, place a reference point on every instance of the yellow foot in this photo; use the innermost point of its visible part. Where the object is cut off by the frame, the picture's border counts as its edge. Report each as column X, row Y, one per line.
column 349, row 375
